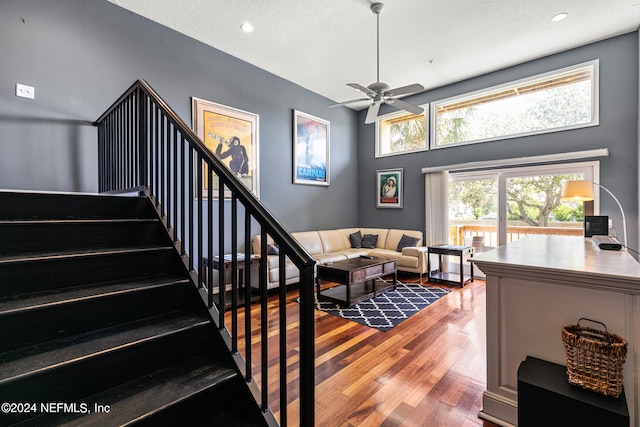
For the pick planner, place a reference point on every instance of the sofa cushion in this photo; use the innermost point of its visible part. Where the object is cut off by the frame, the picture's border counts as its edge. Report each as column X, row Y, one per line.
column 380, row 232
column 394, row 236
column 369, row 241
column 407, row 241
column 401, row 260
column 291, row 272
column 356, row 239
column 256, row 243
column 353, row 252
column 334, row 240
column 310, row 240
column 330, row 257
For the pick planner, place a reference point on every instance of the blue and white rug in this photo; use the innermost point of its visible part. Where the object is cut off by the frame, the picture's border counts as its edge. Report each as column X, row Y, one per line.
column 388, row 309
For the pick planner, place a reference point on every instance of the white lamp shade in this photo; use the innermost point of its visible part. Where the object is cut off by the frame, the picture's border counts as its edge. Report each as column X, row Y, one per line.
column 579, row 191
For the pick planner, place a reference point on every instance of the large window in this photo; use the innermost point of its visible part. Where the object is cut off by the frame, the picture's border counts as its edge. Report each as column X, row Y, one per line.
column 488, row 209
column 560, row 100
column 401, row 132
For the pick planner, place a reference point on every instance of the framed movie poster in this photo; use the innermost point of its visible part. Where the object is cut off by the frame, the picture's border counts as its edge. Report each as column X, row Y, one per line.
column 310, row 149
column 389, row 188
column 232, row 136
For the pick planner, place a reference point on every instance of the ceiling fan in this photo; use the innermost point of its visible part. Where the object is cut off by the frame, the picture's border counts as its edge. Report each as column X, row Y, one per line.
column 379, row 93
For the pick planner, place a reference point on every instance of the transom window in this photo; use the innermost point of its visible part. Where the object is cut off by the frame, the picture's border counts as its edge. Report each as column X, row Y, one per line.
column 560, row 100
column 401, row 132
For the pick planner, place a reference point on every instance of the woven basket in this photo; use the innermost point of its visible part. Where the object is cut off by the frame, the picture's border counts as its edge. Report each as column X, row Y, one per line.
column 595, row 358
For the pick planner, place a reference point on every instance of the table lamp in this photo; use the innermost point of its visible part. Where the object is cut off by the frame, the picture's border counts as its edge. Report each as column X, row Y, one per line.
column 582, row 191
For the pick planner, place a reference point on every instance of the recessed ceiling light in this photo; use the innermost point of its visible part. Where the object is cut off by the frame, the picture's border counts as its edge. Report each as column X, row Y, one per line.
column 559, row 17
column 247, row 27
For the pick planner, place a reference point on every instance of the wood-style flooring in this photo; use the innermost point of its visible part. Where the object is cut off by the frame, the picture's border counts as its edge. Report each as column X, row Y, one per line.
column 428, row 371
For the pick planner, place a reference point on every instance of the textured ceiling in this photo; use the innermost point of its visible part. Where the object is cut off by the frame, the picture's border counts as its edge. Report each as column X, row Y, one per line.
column 323, row 44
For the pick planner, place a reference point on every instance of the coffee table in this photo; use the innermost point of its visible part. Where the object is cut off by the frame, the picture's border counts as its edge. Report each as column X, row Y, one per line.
column 356, row 278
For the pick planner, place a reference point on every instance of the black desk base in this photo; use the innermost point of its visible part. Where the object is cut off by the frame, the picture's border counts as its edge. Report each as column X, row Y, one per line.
column 545, row 398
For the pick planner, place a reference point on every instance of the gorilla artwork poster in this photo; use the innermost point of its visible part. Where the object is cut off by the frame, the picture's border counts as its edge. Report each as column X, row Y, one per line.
column 231, row 135
column 310, row 149
column 389, row 188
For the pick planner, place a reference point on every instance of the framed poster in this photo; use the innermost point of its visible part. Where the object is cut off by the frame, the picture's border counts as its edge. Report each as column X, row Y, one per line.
column 389, row 188
column 310, row 149
column 232, row 136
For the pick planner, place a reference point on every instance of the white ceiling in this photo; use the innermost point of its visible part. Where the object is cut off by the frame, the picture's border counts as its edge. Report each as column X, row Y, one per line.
column 323, row 44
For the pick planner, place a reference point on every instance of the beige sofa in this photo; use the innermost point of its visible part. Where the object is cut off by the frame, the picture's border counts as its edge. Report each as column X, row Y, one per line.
column 335, row 245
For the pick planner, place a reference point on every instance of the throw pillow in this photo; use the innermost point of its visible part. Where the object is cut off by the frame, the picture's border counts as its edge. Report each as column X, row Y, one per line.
column 356, row 239
column 273, row 250
column 407, row 241
column 369, row 241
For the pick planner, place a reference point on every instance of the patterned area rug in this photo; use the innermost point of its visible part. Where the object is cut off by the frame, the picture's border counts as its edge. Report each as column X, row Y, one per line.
column 389, row 309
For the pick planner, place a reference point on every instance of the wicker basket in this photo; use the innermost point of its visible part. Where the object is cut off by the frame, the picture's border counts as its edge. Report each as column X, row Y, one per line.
column 595, row 358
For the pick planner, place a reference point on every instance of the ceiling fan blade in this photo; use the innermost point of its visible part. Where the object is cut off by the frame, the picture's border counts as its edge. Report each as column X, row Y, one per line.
column 405, row 106
column 348, row 102
column 372, row 114
column 361, row 88
column 405, row 90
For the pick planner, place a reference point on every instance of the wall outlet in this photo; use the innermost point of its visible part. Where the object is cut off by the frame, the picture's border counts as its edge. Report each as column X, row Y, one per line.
column 25, row 91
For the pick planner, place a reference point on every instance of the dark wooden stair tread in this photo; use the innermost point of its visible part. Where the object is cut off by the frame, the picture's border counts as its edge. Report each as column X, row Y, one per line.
column 11, row 305
column 36, row 221
column 28, row 257
column 98, row 307
column 153, row 392
column 77, row 348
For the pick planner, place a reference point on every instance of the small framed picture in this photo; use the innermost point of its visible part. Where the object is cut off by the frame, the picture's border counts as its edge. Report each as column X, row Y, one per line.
column 310, row 149
column 389, row 188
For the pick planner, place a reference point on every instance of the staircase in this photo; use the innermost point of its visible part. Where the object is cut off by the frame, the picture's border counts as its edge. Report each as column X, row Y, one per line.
column 101, row 323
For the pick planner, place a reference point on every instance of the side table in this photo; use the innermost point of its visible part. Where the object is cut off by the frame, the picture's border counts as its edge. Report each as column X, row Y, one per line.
column 440, row 276
column 545, row 398
column 226, row 264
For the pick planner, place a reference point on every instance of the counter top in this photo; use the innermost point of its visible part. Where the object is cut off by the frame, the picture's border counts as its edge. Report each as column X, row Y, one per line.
column 557, row 257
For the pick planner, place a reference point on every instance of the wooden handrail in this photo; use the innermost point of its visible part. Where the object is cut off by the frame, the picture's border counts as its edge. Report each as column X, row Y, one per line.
column 143, row 143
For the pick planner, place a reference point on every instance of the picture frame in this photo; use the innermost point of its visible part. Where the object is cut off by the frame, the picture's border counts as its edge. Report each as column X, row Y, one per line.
column 311, row 143
column 218, row 126
column 389, row 188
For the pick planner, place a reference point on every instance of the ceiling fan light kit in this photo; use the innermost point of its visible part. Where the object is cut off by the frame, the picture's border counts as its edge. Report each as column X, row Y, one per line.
column 379, row 93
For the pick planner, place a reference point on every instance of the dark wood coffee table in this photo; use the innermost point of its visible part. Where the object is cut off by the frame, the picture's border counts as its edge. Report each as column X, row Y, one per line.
column 357, row 279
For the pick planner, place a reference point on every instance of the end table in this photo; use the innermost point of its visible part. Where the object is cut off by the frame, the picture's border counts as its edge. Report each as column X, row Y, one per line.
column 226, row 263
column 440, row 276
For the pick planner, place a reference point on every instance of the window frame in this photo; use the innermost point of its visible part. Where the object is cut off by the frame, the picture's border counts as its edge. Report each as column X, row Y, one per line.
column 591, row 169
column 398, row 114
column 595, row 104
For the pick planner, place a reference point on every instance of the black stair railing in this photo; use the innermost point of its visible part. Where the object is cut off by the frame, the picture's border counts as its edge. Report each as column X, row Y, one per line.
column 142, row 143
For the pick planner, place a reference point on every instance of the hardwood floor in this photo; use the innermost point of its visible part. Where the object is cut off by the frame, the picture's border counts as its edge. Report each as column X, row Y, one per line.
column 428, row 371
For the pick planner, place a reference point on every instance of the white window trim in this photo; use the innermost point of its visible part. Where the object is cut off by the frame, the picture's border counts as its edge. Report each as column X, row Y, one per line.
column 595, row 106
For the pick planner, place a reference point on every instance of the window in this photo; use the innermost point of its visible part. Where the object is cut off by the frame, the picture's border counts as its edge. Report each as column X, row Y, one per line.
column 400, row 133
column 559, row 100
column 491, row 208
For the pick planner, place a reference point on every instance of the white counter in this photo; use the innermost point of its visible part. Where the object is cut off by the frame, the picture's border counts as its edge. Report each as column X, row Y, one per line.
column 538, row 284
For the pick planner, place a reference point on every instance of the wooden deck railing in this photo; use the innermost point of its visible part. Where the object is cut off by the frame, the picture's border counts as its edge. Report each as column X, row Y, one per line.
column 457, row 233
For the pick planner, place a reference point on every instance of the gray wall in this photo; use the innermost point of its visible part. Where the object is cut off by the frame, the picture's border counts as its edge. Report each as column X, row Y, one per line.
column 618, row 131
column 81, row 55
